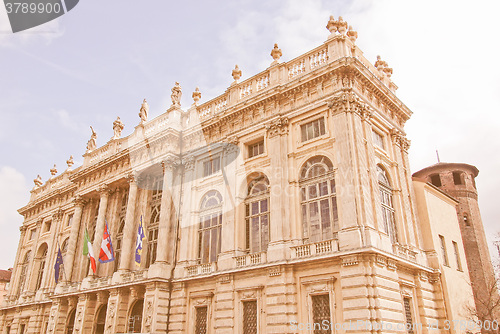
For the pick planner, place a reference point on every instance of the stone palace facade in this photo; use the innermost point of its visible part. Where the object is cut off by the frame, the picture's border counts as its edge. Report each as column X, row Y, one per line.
column 285, row 202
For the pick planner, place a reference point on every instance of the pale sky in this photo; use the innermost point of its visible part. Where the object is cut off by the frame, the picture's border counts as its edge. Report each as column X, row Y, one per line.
column 101, row 59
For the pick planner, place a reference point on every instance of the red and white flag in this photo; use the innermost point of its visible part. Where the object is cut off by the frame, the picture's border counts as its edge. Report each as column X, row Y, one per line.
column 106, row 254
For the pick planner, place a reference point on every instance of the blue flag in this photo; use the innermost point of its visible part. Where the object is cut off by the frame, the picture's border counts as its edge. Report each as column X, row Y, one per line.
column 138, row 244
column 59, row 263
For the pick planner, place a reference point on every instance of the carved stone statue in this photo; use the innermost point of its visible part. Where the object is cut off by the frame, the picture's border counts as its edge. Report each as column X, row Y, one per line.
column 236, row 74
column 176, row 95
column 196, row 96
column 70, row 162
column 92, row 143
column 143, row 113
column 276, row 53
column 117, row 128
column 38, row 181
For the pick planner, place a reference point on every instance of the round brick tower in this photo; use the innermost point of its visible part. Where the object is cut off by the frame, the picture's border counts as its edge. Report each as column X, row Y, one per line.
column 457, row 180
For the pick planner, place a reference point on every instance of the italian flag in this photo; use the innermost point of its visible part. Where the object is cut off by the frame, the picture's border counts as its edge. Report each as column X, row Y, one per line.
column 88, row 251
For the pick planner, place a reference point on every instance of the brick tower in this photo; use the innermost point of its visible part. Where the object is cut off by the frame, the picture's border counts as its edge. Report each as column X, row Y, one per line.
column 457, row 180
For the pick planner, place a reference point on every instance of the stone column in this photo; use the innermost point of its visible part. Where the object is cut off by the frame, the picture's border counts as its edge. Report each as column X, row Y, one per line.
column 188, row 224
column 15, row 281
column 166, row 245
column 101, row 215
column 228, row 242
column 48, row 279
column 73, row 238
column 277, row 136
column 128, row 245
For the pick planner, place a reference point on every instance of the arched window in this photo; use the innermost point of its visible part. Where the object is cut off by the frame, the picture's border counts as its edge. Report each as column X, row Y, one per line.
column 318, row 200
column 209, row 232
column 119, row 235
column 64, row 250
column 257, row 215
column 23, row 269
column 118, row 244
column 71, row 322
column 100, row 321
column 135, row 317
column 41, row 258
column 154, row 221
column 387, row 205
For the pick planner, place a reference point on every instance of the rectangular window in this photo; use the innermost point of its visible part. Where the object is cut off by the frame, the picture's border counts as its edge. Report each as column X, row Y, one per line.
column 70, row 220
column 457, row 178
column 256, row 149
column 22, row 328
column 321, row 314
column 408, row 317
column 46, row 226
column 32, row 234
column 457, row 256
column 201, row 320
column 250, row 317
column 443, row 251
column 211, row 166
column 378, row 139
column 313, row 129
column 436, row 180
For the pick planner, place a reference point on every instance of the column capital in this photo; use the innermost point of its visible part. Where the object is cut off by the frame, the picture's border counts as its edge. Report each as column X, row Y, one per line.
column 79, row 201
column 131, row 178
column 347, row 101
column 170, row 163
column 188, row 162
column 278, row 126
column 57, row 216
column 104, row 190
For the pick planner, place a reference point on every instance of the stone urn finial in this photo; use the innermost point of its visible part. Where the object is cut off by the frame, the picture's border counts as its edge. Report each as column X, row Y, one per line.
column 341, row 26
column 332, row 26
column 38, row 181
column 236, row 74
column 276, row 53
column 53, row 171
column 70, row 162
column 353, row 35
column 383, row 67
column 196, row 96
column 143, row 112
column 117, row 128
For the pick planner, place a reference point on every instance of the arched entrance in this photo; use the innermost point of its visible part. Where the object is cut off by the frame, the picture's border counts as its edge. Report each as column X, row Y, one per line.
column 101, row 320
column 71, row 322
column 135, row 317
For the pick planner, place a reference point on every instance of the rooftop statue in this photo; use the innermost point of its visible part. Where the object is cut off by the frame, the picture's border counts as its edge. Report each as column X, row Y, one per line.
column 92, row 143
column 117, row 128
column 143, row 112
column 176, row 95
column 38, row 181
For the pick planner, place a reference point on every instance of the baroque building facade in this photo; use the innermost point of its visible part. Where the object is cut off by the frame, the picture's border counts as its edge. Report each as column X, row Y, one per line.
column 285, row 202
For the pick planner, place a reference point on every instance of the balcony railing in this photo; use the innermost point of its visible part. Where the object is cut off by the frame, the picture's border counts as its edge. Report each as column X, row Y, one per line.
column 315, row 248
column 250, row 259
column 201, row 269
